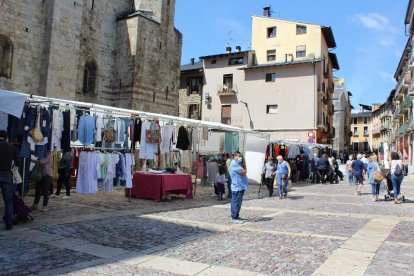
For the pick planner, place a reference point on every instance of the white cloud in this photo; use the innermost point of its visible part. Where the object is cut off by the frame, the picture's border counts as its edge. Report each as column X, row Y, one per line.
column 373, row 21
column 387, row 42
column 387, row 77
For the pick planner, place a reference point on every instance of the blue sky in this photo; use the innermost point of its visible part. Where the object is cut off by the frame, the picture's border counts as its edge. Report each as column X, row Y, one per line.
column 370, row 34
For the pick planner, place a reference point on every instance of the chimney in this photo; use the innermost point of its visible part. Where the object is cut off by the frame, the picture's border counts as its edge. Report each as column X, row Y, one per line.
column 267, row 12
column 228, row 50
column 192, row 61
column 238, row 49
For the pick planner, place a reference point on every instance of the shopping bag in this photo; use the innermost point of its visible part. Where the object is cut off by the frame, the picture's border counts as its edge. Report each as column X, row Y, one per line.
column 36, row 174
column 17, row 179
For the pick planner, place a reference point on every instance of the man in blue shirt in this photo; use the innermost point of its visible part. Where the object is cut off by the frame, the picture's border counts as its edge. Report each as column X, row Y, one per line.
column 239, row 184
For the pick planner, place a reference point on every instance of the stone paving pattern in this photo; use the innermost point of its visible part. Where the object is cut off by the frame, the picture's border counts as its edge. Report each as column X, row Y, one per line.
column 314, row 228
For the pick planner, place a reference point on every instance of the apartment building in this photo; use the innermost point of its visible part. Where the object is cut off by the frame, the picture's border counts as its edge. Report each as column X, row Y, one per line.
column 191, row 90
column 361, row 139
column 282, row 86
column 376, row 127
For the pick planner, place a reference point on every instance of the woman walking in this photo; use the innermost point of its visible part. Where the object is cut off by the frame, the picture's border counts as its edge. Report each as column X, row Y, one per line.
column 349, row 169
column 373, row 167
column 396, row 175
column 358, row 169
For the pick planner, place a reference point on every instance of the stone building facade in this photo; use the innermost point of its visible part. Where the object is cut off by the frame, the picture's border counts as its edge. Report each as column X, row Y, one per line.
column 191, row 90
column 123, row 53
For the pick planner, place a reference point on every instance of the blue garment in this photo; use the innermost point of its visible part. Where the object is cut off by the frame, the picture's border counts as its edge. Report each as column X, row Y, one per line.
column 282, row 168
column 128, row 123
column 236, row 203
column 86, row 129
column 7, row 188
column 282, row 186
column 371, row 168
column 375, row 189
column 229, row 187
column 396, row 184
column 29, row 121
column 238, row 182
column 358, row 167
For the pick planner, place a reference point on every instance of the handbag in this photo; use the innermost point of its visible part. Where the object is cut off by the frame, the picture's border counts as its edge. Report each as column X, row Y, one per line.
column 109, row 134
column 17, row 179
column 36, row 174
column 377, row 176
column 153, row 136
column 36, row 133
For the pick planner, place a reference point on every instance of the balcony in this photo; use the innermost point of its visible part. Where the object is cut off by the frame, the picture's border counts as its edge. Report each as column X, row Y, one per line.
column 225, row 90
column 397, row 112
column 402, row 129
column 385, row 127
column 355, row 134
column 366, row 133
column 406, row 103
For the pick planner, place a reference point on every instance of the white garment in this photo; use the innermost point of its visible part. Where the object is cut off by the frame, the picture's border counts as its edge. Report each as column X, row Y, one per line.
column 212, row 169
column 394, row 164
column 146, row 151
column 87, row 181
column 113, row 159
column 120, row 131
column 57, row 129
column 129, row 162
column 220, row 178
column 99, row 123
column 166, row 138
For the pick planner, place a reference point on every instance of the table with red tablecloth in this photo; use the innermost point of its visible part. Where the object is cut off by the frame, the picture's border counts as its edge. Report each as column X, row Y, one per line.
column 155, row 186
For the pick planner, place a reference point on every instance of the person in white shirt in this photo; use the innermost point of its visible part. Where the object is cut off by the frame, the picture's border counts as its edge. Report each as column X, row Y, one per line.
column 396, row 175
column 220, row 182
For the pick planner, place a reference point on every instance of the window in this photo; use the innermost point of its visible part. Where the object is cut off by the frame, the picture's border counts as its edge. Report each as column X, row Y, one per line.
column 271, row 109
column 213, row 61
column 355, row 146
column 270, row 77
column 365, row 120
column 89, row 77
column 271, row 32
column 355, row 121
column 6, row 56
column 300, row 29
column 193, row 85
column 271, row 55
column 365, row 146
column 236, row 61
column 355, row 131
column 193, row 111
column 365, row 130
column 228, row 82
column 300, row 51
column 226, row 114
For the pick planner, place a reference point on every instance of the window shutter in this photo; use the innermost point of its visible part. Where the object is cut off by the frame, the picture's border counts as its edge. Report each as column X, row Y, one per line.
column 226, row 111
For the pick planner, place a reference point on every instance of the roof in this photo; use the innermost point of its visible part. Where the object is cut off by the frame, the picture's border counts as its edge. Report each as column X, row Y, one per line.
column 361, row 114
column 350, row 94
column 409, row 12
column 231, row 54
column 402, row 59
column 329, row 37
column 190, row 66
column 334, row 61
column 391, row 96
column 282, row 63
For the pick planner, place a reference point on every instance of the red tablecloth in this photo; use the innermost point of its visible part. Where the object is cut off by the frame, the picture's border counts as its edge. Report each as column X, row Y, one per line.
column 154, row 186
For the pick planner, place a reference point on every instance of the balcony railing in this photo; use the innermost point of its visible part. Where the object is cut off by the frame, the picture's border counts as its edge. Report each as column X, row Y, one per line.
column 406, row 103
column 385, row 126
column 224, row 90
column 402, row 129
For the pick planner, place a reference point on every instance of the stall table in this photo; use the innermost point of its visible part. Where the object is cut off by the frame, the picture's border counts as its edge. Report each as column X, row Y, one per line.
column 155, row 186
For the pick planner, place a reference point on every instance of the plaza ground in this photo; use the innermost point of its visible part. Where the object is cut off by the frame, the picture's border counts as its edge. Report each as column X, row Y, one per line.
column 318, row 230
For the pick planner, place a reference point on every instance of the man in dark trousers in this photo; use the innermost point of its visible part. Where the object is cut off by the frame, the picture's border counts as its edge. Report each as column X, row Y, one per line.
column 239, row 184
column 8, row 154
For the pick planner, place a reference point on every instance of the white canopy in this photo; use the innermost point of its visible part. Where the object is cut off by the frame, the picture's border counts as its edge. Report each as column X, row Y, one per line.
column 12, row 103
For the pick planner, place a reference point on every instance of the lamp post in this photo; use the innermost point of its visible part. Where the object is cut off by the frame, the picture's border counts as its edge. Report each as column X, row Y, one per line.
column 248, row 112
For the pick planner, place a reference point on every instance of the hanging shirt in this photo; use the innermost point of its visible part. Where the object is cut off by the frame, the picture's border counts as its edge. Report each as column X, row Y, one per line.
column 166, row 138
column 57, row 129
column 146, row 150
column 86, row 129
column 99, row 124
column 120, row 131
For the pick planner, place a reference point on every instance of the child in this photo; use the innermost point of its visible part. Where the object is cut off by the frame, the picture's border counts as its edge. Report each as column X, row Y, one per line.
column 220, row 182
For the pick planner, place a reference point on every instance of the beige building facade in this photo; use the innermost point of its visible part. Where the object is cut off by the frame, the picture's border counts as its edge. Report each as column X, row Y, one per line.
column 361, row 127
column 122, row 53
column 282, row 86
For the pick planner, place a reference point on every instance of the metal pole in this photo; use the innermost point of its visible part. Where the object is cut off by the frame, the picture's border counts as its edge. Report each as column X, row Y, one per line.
column 24, row 174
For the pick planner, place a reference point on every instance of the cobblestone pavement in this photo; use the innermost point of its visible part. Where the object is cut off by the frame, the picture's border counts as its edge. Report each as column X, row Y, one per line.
column 318, row 229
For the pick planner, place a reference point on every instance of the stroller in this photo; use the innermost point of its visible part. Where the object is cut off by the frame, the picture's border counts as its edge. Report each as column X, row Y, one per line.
column 388, row 188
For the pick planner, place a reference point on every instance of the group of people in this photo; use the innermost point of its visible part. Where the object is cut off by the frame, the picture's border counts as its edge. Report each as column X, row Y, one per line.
column 324, row 169
column 364, row 167
column 9, row 158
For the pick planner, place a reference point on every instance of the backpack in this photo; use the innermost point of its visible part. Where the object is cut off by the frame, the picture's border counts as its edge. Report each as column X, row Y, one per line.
column 20, row 210
column 398, row 170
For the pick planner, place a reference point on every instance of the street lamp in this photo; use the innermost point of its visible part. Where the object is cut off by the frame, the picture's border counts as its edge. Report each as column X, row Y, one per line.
column 248, row 112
